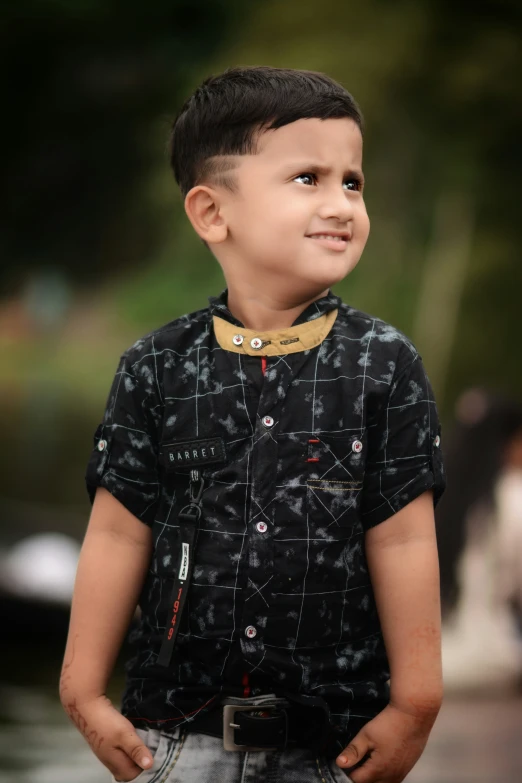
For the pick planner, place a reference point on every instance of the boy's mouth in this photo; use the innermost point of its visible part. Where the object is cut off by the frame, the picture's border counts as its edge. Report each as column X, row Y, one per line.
column 333, row 241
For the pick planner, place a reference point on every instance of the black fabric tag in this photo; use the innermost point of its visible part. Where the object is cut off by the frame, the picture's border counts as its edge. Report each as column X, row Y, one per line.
column 182, row 454
column 181, row 586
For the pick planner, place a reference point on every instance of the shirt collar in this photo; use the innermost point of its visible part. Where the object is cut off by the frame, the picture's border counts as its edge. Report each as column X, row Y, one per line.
column 218, row 306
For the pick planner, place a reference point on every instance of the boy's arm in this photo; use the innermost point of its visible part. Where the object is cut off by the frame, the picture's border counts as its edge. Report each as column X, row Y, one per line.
column 123, row 482
column 113, row 561
column 114, row 558
column 403, row 562
column 404, row 570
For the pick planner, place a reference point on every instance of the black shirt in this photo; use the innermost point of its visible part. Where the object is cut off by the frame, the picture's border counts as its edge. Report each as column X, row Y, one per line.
column 325, row 430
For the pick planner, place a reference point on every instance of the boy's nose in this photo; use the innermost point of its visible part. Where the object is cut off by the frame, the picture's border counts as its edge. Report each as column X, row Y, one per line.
column 336, row 205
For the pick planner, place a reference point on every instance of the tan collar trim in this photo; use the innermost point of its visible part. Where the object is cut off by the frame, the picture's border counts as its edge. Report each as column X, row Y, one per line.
column 280, row 342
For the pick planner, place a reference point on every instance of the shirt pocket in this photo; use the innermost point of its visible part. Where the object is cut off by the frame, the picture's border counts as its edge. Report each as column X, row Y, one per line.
column 335, row 478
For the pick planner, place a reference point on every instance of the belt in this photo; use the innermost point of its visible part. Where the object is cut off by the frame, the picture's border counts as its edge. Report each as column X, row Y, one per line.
column 267, row 722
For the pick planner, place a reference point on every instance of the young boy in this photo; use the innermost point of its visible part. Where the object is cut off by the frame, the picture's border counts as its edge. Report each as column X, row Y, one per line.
column 263, row 481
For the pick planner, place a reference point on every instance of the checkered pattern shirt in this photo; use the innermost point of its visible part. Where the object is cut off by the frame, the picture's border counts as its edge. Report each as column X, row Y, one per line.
column 306, row 438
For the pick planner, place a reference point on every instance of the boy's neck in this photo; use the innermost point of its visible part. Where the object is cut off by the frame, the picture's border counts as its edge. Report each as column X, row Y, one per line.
column 264, row 312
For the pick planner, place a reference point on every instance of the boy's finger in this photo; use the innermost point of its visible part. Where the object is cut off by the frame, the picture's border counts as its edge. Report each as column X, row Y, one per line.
column 353, row 752
column 137, row 750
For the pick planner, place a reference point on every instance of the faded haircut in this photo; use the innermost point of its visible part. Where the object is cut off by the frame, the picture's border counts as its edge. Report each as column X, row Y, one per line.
column 226, row 114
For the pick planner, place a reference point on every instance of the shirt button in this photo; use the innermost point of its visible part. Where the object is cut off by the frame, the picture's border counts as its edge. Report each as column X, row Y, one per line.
column 268, row 421
column 101, row 445
column 437, row 440
column 262, row 527
column 357, row 446
column 256, row 343
column 238, row 339
column 250, row 631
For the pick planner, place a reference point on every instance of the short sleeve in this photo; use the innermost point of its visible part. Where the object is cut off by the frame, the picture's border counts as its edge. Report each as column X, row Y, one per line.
column 404, row 456
column 124, row 455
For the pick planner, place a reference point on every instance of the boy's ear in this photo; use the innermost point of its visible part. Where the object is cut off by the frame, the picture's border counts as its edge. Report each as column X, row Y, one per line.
column 202, row 205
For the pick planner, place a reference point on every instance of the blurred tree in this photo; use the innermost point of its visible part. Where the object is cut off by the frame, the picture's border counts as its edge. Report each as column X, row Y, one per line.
column 467, row 99
column 83, row 83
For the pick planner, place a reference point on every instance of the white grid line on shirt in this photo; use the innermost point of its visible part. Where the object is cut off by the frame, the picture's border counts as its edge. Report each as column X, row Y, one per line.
column 342, row 377
column 328, row 592
column 242, row 545
column 156, row 371
column 388, row 500
column 132, row 481
column 364, row 376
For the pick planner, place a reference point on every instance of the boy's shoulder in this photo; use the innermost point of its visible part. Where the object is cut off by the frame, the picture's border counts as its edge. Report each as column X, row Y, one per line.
column 374, row 332
column 177, row 334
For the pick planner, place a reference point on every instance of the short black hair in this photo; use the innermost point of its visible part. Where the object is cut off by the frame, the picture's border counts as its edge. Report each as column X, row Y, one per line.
column 226, row 113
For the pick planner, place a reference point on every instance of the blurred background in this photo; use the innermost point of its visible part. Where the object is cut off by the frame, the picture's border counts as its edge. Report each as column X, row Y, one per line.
column 95, row 251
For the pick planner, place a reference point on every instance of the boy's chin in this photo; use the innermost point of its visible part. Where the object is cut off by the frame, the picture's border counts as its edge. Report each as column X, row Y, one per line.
column 345, row 272
column 329, row 271
column 330, row 278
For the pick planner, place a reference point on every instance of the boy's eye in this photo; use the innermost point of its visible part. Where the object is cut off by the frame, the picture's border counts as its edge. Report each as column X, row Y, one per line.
column 349, row 184
column 306, row 176
column 352, row 184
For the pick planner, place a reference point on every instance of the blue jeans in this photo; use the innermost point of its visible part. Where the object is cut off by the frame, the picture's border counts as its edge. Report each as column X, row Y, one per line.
column 193, row 757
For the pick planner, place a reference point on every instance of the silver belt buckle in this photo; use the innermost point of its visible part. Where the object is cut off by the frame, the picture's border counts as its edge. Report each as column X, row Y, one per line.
column 231, row 705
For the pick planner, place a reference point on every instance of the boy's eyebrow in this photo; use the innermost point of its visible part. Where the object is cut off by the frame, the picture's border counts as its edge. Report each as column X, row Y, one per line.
column 318, row 168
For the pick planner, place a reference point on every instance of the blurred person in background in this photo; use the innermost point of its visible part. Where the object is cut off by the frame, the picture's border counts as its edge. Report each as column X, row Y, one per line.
column 479, row 531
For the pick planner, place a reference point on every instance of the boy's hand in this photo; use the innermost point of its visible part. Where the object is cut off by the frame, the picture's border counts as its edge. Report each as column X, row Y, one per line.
column 394, row 740
column 111, row 736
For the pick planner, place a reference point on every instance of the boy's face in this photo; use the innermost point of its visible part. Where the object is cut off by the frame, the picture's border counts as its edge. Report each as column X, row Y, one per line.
column 304, row 180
